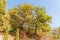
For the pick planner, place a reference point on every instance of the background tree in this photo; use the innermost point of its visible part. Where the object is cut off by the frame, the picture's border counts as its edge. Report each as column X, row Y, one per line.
column 56, row 33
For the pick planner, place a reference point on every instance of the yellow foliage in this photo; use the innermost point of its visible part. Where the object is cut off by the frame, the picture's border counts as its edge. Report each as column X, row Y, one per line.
column 29, row 17
column 14, row 11
column 26, row 7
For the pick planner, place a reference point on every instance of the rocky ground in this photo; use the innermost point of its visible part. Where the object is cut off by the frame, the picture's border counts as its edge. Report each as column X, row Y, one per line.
column 23, row 36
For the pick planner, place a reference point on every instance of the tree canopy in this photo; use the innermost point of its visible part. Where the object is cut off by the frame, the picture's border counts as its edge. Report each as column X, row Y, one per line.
column 29, row 18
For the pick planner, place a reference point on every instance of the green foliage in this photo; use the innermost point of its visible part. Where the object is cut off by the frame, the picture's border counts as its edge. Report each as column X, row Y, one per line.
column 17, row 35
column 35, row 18
column 42, row 20
column 6, row 34
column 25, row 29
column 1, row 21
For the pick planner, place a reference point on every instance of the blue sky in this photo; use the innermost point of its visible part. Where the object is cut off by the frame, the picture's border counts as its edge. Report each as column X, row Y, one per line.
column 52, row 8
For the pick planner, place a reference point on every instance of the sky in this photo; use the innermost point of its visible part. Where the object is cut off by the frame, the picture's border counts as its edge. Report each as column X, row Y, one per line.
column 52, row 8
